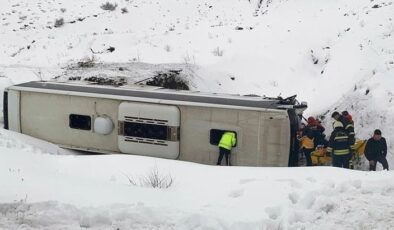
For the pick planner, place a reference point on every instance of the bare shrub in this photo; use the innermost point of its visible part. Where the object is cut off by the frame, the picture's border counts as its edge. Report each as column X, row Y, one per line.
column 167, row 48
column 218, row 52
column 153, row 179
column 170, row 79
column 124, row 10
column 62, row 10
column 87, row 62
column 109, row 6
column 59, row 22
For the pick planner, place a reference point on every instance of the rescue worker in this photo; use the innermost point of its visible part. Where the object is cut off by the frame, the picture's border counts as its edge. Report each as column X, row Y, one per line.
column 226, row 143
column 338, row 117
column 349, row 127
column 376, row 151
column 317, row 131
column 308, row 146
column 339, row 146
column 352, row 140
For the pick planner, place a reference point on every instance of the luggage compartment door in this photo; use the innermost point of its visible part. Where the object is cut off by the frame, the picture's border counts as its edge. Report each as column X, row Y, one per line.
column 149, row 129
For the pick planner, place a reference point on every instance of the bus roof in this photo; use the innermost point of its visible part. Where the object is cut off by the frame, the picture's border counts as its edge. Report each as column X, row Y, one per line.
column 160, row 95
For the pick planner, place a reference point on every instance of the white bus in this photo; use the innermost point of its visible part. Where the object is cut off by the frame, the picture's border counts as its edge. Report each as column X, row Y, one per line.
column 157, row 122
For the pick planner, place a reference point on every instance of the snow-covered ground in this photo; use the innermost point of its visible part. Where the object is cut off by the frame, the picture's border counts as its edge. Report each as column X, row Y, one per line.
column 336, row 54
column 68, row 191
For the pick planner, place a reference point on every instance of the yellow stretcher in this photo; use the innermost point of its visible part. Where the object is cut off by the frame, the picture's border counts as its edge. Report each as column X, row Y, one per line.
column 321, row 157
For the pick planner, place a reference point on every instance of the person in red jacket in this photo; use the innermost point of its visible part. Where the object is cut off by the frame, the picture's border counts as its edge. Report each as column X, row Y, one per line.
column 317, row 131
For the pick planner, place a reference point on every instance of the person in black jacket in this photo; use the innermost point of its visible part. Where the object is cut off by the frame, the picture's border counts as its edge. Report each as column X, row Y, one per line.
column 339, row 146
column 376, row 151
column 347, row 125
column 352, row 139
column 339, row 117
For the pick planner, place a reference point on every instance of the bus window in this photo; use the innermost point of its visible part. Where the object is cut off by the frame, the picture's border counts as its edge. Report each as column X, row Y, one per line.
column 77, row 121
column 149, row 131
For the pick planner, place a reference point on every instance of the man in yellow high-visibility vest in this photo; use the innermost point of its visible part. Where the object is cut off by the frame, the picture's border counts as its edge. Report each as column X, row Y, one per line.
column 226, row 143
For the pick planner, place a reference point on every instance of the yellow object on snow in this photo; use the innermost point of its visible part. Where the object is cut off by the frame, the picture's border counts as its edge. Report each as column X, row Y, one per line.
column 359, row 146
column 320, row 156
column 307, row 142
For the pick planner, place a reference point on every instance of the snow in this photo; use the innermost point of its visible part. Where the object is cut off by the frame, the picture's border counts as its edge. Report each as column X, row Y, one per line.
column 336, row 55
column 70, row 191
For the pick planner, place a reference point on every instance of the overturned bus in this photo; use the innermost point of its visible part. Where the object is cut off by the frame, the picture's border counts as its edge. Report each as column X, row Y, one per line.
column 157, row 122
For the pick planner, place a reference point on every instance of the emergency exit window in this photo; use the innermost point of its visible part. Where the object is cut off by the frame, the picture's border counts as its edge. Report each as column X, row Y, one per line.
column 82, row 122
column 142, row 130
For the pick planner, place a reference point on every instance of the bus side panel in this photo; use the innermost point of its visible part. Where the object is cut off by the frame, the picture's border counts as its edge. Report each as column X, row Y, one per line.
column 262, row 137
column 13, row 105
column 49, row 117
column 275, row 138
column 195, row 131
column 265, row 138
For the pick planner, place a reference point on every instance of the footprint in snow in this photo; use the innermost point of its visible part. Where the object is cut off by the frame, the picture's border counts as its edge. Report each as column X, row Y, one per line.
column 309, row 200
column 236, row 193
column 388, row 191
column 356, row 184
column 293, row 183
column 273, row 212
column 311, row 179
column 342, row 187
column 294, row 197
column 245, row 181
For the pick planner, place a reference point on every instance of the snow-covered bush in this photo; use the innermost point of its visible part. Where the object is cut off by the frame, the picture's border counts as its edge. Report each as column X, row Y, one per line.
column 124, row 10
column 218, row 52
column 167, row 48
column 87, row 62
column 59, row 22
column 171, row 79
column 109, row 6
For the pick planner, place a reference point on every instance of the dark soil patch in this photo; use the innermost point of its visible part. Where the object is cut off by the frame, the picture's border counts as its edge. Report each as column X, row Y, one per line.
column 170, row 79
column 107, row 81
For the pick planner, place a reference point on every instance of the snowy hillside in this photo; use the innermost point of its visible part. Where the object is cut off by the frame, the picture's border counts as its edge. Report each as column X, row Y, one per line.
column 336, row 55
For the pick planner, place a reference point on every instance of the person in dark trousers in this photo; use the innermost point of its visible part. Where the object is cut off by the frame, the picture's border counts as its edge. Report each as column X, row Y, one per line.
column 339, row 146
column 352, row 135
column 226, row 143
column 349, row 127
column 376, row 151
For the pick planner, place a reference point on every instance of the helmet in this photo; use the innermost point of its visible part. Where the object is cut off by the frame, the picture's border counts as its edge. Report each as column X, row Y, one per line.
column 334, row 114
column 311, row 120
column 345, row 113
column 337, row 124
